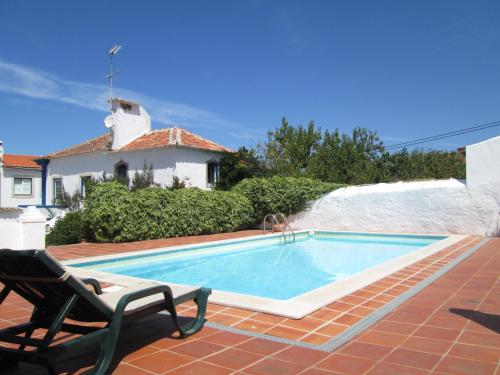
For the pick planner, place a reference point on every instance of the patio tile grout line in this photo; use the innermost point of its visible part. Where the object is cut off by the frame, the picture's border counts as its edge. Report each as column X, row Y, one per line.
column 367, row 321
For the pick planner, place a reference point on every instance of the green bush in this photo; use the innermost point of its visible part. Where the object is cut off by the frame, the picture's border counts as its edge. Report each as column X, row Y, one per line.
column 106, row 209
column 281, row 194
column 67, row 230
column 115, row 214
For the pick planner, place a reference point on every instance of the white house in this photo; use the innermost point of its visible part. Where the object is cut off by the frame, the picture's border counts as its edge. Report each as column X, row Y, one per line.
column 126, row 147
column 20, row 180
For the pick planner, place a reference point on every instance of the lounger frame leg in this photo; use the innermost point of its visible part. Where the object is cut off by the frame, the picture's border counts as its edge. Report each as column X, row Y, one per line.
column 201, row 300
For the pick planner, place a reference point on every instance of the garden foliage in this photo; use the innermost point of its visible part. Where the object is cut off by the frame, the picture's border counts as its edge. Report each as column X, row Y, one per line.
column 281, row 194
column 116, row 214
column 67, row 230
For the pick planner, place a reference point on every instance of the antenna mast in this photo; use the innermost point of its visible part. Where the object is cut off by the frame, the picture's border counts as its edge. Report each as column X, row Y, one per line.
column 113, row 51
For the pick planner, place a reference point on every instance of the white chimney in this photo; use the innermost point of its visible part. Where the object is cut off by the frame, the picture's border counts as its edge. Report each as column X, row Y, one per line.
column 1, row 153
column 128, row 121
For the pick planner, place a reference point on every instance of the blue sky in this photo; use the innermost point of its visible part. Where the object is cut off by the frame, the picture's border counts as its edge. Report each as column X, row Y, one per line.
column 229, row 70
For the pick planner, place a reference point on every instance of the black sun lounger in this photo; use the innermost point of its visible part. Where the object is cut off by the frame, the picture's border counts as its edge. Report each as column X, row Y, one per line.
column 56, row 295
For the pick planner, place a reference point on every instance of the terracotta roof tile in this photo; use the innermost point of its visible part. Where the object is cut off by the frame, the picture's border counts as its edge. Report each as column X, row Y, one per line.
column 20, row 161
column 95, row 144
column 173, row 137
column 154, row 139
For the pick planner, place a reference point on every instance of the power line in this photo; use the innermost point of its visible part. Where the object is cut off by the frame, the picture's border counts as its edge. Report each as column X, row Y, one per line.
column 444, row 135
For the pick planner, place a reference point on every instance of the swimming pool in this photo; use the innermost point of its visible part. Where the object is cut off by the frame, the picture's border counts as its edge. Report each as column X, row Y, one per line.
column 269, row 269
column 262, row 273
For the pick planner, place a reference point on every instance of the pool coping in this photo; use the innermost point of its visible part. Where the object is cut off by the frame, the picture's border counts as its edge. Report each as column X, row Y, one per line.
column 296, row 307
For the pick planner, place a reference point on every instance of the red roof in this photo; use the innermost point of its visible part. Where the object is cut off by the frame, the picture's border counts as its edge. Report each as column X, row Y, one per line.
column 160, row 138
column 20, row 161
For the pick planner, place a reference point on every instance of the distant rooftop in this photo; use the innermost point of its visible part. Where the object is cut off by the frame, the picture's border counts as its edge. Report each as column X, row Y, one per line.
column 20, row 161
column 159, row 138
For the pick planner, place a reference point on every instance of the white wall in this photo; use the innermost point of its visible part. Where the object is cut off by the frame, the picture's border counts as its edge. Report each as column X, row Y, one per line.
column 22, row 229
column 167, row 163
column 441, row 206
column 7, row 197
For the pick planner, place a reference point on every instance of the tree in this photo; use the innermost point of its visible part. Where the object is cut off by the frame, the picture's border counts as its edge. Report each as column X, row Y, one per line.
column 346, row 159
column 236, row 166
column 288, row 148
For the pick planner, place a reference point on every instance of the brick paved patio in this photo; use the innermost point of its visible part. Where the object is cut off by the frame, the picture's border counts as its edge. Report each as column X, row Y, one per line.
column 451, row 327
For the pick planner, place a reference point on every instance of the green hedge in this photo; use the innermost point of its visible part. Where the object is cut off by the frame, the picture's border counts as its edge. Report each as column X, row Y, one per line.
column 281, row 194
column 116, row 214
column 67, row 230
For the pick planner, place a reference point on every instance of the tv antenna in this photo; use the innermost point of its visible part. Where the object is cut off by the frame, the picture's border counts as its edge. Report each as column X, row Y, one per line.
column 113, row 51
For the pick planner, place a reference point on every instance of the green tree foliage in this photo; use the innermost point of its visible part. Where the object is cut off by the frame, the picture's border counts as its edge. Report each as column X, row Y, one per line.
column 355, row 158
column 288, row 149
column 348, row 159
column 281, row 194
column 404, row 165
column 236, row 166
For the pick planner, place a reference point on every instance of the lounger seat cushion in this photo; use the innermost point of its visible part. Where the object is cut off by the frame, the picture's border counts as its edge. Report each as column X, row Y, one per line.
column 111, row 299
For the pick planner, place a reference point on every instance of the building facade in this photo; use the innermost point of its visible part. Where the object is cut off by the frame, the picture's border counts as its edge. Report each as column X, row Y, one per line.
column 20, row 180
column 127, row 147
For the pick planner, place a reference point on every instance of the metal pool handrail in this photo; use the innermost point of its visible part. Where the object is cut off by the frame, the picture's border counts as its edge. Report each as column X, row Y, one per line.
column 283, row 225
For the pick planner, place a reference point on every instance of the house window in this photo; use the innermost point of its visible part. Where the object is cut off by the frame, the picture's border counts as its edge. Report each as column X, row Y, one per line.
column 213, row 173
column 84, row 180
column 121, row 172
column 58, row 190
column 23, row 186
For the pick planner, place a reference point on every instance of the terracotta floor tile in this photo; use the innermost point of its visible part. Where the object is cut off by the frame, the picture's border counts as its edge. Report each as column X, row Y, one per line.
column 373, row 304
column 268, row 318
column 365, row 350
column 225, row 338
column 226, row 320
column 393, row 369
column 253, row 325
column 161, row 362
column 347, row 319
column 234, row 358
column 404, row 357
column 459, row 366
column 476, row 353
column 200, row 367
column 307, row 323
column 316, row 371
column 271, row 366
column 315, row 339
column 437, row 333
column 332, row 329
column 427, row 345
column 480, row 339
column 361, row 311
column 325, row 314
column 301, row 356
column 141, row 352
column 353, row 300
column 197, row 349
column 382, row 338
column 345, row 364
column 125, row 369
column 395, row 327
column 260, row 346
column 341, row 306
column 285, row 332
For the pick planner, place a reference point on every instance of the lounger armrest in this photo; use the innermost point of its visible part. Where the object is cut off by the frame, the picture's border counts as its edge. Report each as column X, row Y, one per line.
column 95, row 284
column 133, row 296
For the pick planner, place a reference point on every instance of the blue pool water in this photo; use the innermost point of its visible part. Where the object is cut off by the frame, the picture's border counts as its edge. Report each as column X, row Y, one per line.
column 268, row 268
